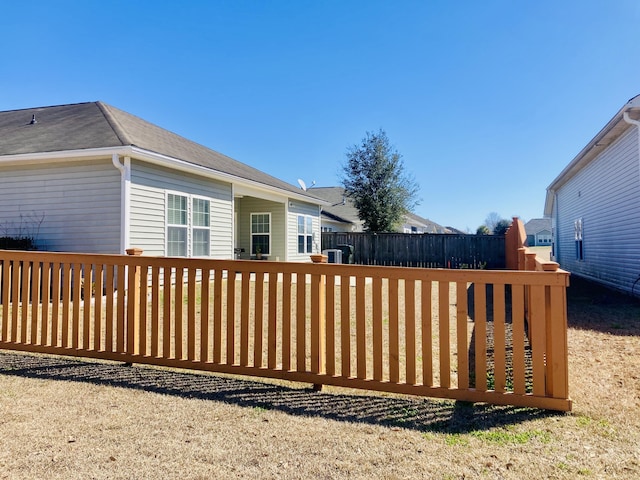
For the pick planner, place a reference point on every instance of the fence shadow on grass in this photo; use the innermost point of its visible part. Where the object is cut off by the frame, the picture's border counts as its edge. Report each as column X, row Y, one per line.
column 425, row 415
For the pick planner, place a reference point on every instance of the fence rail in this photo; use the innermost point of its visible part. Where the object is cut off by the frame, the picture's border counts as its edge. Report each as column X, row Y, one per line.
column 422, row 250
column 441, row 333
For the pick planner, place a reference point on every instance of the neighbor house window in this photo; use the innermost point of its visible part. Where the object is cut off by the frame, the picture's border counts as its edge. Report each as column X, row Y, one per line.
column 305, row 234
column 578, row 236
column 261, row 233
column 188, row 226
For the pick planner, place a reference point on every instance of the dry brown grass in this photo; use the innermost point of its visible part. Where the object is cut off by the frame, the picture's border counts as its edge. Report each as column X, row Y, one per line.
column 61, row 418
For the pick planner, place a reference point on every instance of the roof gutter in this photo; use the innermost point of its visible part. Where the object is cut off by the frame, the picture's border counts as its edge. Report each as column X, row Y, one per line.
column 632, row 121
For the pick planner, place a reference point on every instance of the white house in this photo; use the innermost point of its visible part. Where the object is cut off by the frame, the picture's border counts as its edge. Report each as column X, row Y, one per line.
column 92, row 178
column 594, row 204
column 538, row 232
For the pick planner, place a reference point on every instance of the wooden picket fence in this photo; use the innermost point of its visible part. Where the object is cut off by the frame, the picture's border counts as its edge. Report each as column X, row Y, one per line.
column 472, row 335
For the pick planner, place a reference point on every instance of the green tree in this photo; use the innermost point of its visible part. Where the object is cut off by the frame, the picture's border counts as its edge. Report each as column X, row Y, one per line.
column 483, row 230
column 501, row 227
column 491, row 221
column 374, row 178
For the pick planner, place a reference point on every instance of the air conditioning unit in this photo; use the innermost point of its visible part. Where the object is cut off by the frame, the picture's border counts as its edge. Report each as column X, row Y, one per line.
column 334, row 255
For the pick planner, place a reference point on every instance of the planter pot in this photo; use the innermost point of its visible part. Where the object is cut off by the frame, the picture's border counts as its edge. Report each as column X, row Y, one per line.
column 319, row 258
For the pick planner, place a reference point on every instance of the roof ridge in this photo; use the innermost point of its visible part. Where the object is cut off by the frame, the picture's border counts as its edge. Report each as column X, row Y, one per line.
column 113, row 122
column 46, row 107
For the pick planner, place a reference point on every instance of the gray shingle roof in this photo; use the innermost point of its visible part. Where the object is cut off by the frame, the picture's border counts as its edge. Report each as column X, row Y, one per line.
column 536, row 225
column 343, row 210
column 98, row 125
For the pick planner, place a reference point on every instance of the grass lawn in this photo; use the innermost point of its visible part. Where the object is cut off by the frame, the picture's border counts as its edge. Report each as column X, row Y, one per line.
column 62, row 418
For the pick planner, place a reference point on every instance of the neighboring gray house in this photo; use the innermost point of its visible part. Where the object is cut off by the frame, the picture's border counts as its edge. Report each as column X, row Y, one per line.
column 89, row 177
column 538, row 232
column 342, row 216
column 595, row 205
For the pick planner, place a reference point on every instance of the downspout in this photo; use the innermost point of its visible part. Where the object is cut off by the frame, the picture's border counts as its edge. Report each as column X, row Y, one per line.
column 125, row 199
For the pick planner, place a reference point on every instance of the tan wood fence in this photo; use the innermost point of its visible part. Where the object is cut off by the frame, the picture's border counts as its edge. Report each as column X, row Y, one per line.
column 478, row 336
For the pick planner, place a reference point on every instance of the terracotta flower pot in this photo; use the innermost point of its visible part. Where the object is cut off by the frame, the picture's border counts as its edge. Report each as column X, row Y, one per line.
column 319, row 258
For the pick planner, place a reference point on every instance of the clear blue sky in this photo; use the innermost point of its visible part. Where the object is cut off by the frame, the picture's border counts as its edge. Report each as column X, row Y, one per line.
column 486, row 101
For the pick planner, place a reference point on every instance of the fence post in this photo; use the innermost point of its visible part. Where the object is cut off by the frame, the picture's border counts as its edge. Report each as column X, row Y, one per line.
column 133, row 305
column 521, row 259
column 530, row 261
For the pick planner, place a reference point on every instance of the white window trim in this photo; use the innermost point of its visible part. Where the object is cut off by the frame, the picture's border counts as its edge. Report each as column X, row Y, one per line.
column 189, row 226
column 251, row 234
column 305, row 234
column 578, row 235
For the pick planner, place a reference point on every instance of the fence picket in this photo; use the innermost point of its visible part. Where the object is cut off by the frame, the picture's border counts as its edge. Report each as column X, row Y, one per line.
column 272, row 333
column 286, row 322
column 394, row 340
column 46, row 302
column 345, row 326
column 480, row 327
column 361, row 329
column 97, row 307
column 427, row 334
column 410, row 331
column 6, row 289
column 461, row 333
column 443, row 334
column 377, row 339
column 499, row 338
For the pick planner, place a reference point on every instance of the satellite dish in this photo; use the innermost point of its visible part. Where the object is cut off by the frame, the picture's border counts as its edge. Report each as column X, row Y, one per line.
column 303, row 185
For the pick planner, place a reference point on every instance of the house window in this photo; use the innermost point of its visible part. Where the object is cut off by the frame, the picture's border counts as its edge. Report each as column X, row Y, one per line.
column 177, row 225
column 305, row 234
column 327, row 229
column 261, row 233
column 201, row 230
column 578, row 236
column 188, row 226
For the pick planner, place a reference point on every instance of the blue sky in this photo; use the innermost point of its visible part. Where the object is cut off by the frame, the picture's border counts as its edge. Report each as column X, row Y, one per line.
column 486, row 101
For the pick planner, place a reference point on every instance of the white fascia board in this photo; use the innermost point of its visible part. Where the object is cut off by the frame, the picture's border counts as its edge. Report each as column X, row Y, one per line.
column 52, row 157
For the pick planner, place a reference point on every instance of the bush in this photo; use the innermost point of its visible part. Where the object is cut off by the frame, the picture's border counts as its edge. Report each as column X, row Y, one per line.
column 17, row 243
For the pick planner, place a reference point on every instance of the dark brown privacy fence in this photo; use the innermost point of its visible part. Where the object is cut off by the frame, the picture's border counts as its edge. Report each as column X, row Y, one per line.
column 421, row 250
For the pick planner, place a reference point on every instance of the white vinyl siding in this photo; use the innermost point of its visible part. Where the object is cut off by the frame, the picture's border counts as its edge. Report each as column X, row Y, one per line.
column 150, row 185
column 78, row 204
column 605, row 195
